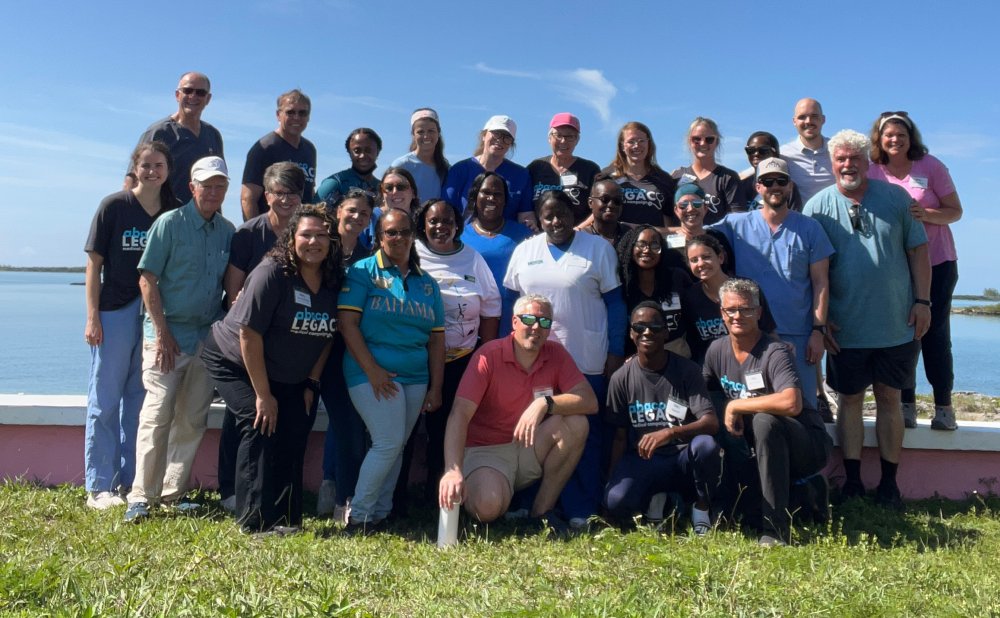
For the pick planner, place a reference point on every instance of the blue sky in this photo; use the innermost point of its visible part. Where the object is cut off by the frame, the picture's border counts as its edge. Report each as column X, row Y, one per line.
column 83, row 80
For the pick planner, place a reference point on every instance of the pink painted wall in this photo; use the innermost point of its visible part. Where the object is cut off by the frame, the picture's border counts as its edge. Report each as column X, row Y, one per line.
column 54, row 455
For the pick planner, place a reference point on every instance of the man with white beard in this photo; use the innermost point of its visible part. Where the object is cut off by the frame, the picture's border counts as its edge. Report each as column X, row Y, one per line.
column 880, row 282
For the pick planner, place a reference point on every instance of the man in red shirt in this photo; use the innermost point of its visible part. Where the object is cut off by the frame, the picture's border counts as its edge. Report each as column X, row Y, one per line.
column 519, row 416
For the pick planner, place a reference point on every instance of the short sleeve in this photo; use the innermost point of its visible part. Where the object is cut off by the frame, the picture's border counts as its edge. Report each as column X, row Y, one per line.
column 607, row 267
column 568, row 376
column 240, row 250
column 158, row 244
column 263, row 292
column 101, row 229
column 355, row 289
column 490, row 306
column 697, row 391
column 617, row 400
column 940, row 178
column 253, row 172
column 780, row 368
column 476, row 378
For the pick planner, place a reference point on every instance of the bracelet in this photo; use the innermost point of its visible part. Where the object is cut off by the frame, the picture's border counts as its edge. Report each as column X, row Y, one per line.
column 550, row 403
column 921, row 301
column 314, row 385
column 820, row 327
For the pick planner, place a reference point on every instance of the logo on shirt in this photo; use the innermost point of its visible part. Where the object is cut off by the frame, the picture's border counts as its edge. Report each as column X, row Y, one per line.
column 315, row 323
column 734, row 390
column 642, row 414
column 710, row 329
column 133, row 240
column 383, row 283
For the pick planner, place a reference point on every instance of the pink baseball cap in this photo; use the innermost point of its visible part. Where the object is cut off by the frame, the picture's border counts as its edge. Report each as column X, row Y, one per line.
column 565, row 119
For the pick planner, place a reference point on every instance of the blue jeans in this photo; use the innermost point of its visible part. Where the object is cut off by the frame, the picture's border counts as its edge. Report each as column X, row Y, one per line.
column 114, row 399
column 389, row 422
column 807, row 372
column 346, row 442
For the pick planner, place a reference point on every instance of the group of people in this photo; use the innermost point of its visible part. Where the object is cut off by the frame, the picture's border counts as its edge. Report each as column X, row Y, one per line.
column 578, row 340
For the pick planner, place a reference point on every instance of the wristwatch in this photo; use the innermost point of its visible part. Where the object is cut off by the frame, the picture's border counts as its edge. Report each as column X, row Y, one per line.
column 921, row 301
column 314, row 385
column 820, row 327
column 549, row 404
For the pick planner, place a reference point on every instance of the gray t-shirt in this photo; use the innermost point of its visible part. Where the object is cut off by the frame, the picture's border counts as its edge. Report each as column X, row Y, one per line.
column 251, row 242
column 643, row 401
column 185, row 148
column 272, row 148
column 768, row 369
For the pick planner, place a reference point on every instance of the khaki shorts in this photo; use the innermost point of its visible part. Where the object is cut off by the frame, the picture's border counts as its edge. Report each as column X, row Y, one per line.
column 514, row 461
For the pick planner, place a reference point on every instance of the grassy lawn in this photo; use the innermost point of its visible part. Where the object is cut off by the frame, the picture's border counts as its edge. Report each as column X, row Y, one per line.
column 59, row 558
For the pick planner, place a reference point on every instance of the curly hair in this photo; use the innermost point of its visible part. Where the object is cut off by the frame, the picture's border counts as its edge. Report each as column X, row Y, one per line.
column 629, row 270
column 420, row 219
column 917, row 149
column 471, row 210
column 283, row 251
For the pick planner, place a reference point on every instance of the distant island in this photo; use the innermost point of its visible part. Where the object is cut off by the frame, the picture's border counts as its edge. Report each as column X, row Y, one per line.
column 42, row 269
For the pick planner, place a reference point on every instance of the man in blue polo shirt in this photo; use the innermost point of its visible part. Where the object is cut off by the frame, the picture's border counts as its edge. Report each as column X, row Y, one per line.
column 181, row 282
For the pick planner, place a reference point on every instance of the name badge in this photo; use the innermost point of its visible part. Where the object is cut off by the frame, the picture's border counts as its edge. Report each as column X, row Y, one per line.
column 676, row 241
column 918, row 182
column 755, row 380
column 543, row 391
column 302, row 298
column 676, row 410
column 568, row 179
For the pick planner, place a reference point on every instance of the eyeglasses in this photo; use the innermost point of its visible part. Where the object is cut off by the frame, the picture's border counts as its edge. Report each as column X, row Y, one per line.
column 735, row 311
column 564, row 137
column 406, row 233
column 286, row 195
column 781, row 181
column 400, row 186
column 292, row 113
column 504, row 138
column 887, row 114
column 642, row 141
column 653, row 247
column 760, row 151
column 640, row 327
column 529, row 320
column 607, row 199
column 692, row 204
column 201, row 92
column 708, row 139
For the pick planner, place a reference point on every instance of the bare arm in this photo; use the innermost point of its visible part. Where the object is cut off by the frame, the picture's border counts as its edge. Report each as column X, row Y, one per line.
column 920, row 273
column 94, row 332
column 819, row 274
column 349, row 324
column 166, row 346
column 450, row 489
column 578, row 400
column 949, row 211
column 435, row 361
column 706, row 425
column 488, row 329
column 232, row 283
column 249, row 195
column 787, row 402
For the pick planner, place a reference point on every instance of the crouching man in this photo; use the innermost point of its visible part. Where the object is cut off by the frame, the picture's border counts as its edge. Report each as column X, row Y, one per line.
column 764, row 393
column 519, row 416
column 660, row 405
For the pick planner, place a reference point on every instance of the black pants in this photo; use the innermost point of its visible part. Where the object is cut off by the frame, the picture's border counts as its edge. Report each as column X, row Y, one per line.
column 787, row 451
column 229, row 445
column 936, row 344
column 435, row 424
column 268, row 468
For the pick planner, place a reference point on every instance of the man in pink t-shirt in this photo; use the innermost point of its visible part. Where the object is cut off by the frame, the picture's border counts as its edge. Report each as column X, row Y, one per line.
column 519, row 416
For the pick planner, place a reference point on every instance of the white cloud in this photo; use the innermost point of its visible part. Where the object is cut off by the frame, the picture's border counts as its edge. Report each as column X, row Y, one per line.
column 586, row 86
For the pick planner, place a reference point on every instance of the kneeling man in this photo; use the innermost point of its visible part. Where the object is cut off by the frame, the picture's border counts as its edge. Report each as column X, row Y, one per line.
column 764, row 392
column 519, row 415
column 659, row 403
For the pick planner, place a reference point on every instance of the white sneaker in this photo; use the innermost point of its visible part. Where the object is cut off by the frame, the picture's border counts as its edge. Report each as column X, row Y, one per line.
column 944, row 419
column 326, row 500
column 909, row 415
column 342, row 514
column 700, row 521
column 101, row 500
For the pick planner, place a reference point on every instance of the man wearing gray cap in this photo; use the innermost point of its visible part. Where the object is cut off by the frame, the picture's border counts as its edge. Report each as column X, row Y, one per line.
column 788, row 255
column 187, row 250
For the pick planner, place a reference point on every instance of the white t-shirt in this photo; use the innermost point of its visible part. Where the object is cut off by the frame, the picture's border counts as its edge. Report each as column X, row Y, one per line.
column 575, row 284
column 469, row 292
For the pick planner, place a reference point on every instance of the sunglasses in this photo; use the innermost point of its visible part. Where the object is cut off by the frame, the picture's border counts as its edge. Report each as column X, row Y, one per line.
column 770, row 182
column 640, row 327
column 198, row 91
column 398, row 233
column 301, row 113
column 390, row 188
column 529, row 320
column 606, row 199
column 857, row 220
column 761, row 151
column 692, row 204
column 709, row 140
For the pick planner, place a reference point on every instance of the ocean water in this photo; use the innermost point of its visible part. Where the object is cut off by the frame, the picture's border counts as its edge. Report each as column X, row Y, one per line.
column 42, row 316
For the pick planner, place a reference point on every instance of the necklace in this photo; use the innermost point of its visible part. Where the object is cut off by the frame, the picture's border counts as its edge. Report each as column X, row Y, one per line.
column 485, row 232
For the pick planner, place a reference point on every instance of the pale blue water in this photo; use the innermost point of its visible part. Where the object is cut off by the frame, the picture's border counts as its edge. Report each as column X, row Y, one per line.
column 42, row 318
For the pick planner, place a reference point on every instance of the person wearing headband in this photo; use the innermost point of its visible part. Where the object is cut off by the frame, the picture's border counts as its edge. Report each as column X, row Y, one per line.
column 900, row 157
column 425, row 160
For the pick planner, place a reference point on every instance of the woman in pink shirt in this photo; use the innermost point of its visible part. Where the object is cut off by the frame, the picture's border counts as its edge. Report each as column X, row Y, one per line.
column 899, row 157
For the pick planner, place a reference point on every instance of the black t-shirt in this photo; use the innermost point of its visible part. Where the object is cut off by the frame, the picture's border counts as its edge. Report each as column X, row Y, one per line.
column 296, row 323
column 668, row 293
column 251, row 242
column 118, row 234
column 703, row 324
column 649, row 199
column 271, row 149
column 575, row 183
column 723, row 193
column 675, row 253
column 768, row 369
column 643, row 401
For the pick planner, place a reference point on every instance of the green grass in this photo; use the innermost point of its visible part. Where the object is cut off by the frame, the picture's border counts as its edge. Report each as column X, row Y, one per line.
column 59, row 558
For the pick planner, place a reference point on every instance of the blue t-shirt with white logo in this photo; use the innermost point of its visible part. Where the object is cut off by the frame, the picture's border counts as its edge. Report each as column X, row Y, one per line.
column 397, row 317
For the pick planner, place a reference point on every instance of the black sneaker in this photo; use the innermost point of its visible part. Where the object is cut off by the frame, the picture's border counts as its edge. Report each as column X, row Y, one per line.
column 851, row 490
column 358, row 528
column 888, row 497
column 819, row 498
column 556, row 525
column 823, row 407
